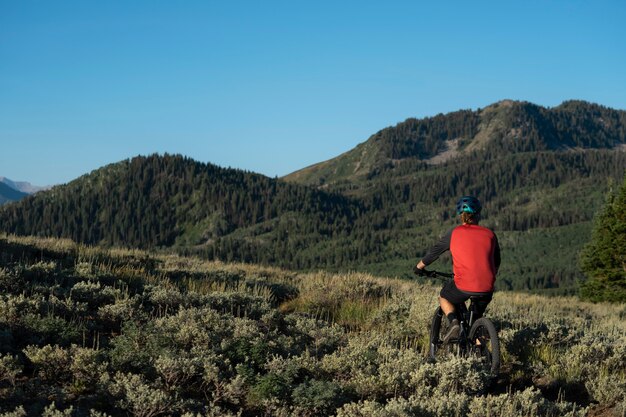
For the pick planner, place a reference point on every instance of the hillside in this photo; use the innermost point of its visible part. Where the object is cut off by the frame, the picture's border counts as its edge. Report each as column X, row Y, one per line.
column 96, row 331
column 496, row 131
column 542, row 174
column 172, row 201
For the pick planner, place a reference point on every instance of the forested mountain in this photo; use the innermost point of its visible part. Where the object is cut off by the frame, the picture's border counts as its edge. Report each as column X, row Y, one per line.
column 163, row 201
column 541, row 174
column 493, row 132
column 8, row 194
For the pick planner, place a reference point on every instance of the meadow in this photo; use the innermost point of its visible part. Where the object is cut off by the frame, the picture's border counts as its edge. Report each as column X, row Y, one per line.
column 89, row 331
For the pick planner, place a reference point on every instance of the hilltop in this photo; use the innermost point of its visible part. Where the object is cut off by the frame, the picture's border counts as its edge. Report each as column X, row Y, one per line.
column 498, row 130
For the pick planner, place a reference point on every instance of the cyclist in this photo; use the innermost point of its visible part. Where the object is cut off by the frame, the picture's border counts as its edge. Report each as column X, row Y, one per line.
column 475, row 262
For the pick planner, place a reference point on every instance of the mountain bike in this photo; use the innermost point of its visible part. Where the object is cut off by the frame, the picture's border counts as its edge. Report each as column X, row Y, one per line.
column 478, row 336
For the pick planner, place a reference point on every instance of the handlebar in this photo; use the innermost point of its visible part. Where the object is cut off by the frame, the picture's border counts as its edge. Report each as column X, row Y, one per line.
column 431, row 274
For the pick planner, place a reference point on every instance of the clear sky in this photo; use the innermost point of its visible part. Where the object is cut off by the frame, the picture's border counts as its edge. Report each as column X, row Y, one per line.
column 274, row 86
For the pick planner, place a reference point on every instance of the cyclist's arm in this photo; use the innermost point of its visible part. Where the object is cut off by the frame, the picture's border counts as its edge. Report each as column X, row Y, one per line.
column 436, row 251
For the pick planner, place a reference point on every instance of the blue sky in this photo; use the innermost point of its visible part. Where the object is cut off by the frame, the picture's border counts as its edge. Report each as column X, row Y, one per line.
column 274, row 86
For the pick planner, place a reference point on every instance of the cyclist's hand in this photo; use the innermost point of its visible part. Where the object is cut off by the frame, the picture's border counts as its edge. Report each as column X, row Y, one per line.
column 420, row 272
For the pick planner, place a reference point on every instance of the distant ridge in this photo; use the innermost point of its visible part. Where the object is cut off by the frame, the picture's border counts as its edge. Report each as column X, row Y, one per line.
column 23, row 186
column 9, row 194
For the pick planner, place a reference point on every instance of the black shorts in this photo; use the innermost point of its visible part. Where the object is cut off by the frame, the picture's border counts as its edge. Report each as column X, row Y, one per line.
column 451, row 293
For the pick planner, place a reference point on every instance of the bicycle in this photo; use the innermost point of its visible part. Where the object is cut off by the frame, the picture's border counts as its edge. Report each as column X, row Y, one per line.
column 478, row 336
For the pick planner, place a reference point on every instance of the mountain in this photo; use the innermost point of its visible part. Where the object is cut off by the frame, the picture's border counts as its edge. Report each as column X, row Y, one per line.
column 173, row 201
column 8, row 194
column 24, row 187
column 542, row 174
column 496, row 131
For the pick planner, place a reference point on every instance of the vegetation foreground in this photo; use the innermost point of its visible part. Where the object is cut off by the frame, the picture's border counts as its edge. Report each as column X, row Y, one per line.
column 88, row 331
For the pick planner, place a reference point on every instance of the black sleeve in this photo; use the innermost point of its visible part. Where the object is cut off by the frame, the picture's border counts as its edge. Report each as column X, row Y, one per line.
column 496, row 254
column 441, row 246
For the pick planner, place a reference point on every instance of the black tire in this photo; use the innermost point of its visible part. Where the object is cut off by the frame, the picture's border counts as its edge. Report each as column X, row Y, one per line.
column 484, row 343
column 438, row 328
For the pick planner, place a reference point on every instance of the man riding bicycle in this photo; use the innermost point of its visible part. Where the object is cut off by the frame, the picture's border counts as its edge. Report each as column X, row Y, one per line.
column 475, row 262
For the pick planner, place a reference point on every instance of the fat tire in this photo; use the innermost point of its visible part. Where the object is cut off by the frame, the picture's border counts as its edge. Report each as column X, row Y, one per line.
column 484, row 329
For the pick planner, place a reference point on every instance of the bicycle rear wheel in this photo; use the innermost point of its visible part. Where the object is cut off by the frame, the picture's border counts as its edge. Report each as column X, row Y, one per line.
column 484, row 343
column 439, row 327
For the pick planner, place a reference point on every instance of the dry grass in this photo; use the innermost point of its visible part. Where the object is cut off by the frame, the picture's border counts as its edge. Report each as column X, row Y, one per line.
column 556, row 344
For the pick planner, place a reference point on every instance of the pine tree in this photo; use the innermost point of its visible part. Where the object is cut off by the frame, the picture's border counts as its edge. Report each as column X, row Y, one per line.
column 604, row 259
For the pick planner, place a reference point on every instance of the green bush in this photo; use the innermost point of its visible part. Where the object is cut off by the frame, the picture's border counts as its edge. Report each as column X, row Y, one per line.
column 140, row 398
column 88, row 367
column 269, row 387
column 10, row 369
column 137, row 348
column 18, row 412
column 52, row 363
column 318, row 397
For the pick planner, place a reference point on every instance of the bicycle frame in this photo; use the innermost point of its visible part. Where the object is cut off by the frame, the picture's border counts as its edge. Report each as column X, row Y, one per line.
column 467, row 317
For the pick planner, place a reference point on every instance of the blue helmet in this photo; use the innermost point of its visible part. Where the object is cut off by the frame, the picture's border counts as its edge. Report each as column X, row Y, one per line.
column 468, row 204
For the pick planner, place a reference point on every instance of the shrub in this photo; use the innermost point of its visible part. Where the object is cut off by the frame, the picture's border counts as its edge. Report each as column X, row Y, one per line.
column 219, row 382
column 10, row 368
column 11, row 282
column 40, row 271
column 238, row 304
column 137, row 347
column 88, row 368
column 195, row 327
column 92, row 293
column 53, row 411
column 51, row 329
column 316, row 335
column 18, row 412
column 269, row 387
column 122, row 310
column 14, row 308
column 177, row 370
column 52, row 363
column 318, row 397
column 394, row 408
column 140, row 398
column 164, row 300
column 529, row 402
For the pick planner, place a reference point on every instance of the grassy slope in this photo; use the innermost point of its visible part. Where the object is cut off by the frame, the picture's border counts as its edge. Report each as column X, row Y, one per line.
column 123, row 331
column 351, row 165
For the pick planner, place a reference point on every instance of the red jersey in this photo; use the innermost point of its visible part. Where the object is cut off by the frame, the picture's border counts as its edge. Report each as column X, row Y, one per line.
column 475, row 257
